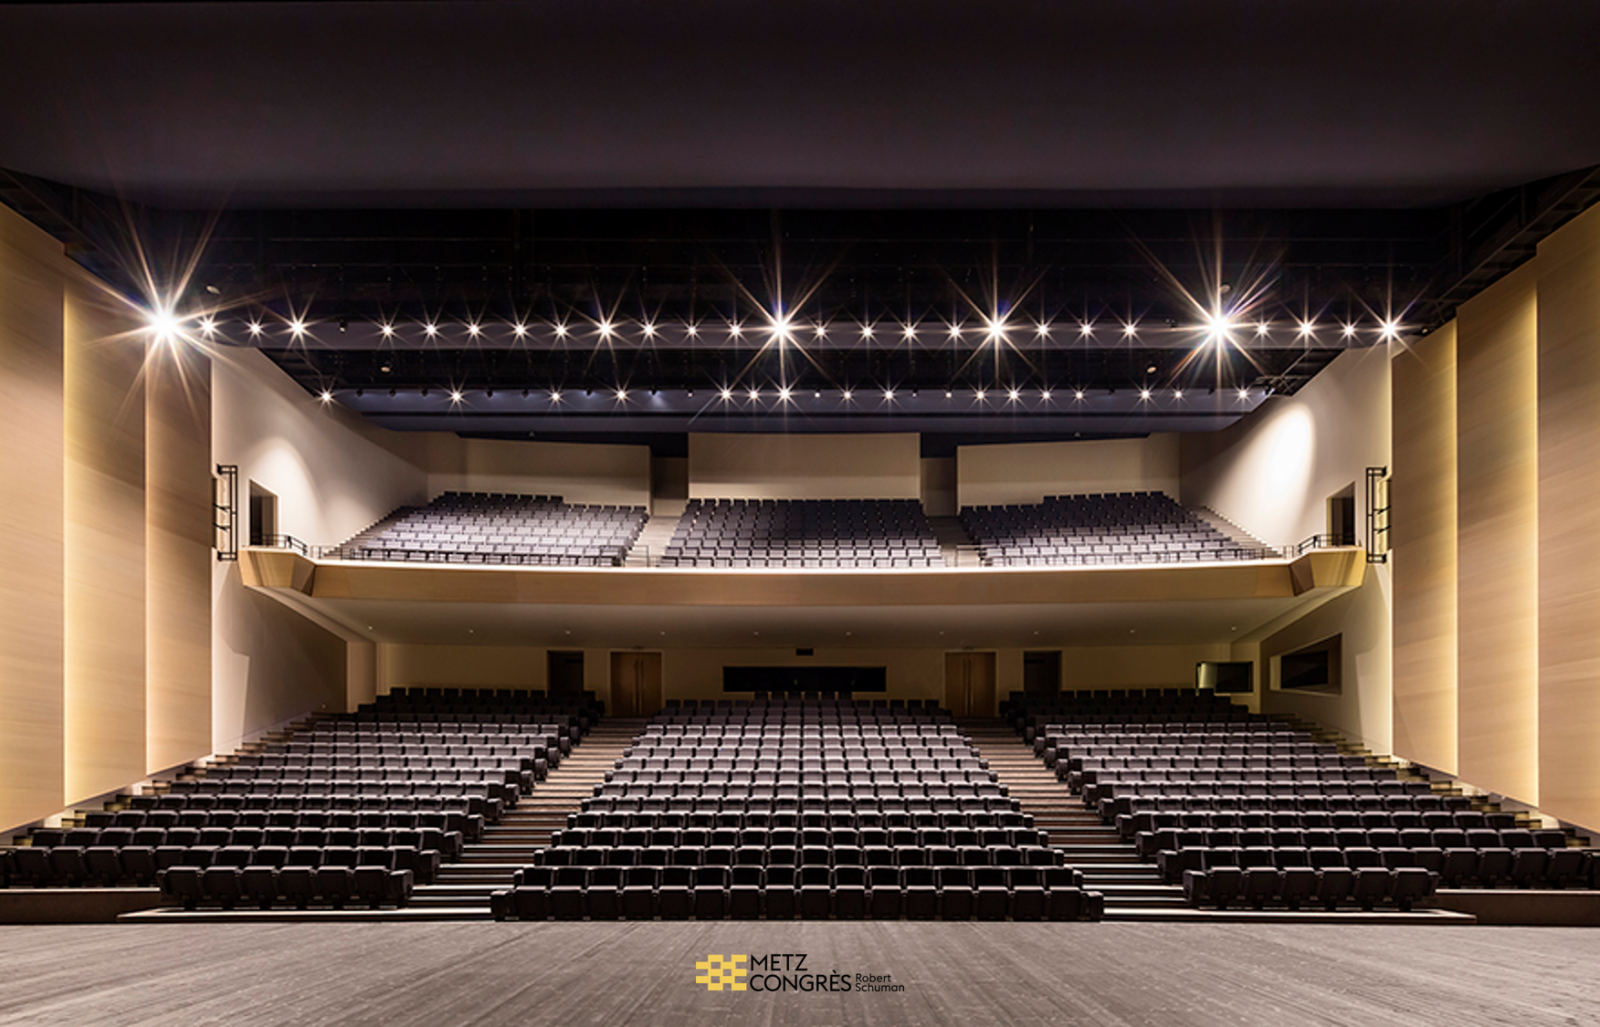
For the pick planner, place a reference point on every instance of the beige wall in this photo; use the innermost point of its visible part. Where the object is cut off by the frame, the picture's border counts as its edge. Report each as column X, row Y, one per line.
column 334, row 475
column 1273, row 471
column 1568, row 498
column 1423, row 514
column 178, row 559
column 104, row 540
column 1497, row 474
column 1135, row 666
column 105, row 536
column 805, row 467
column 32, row 543
column 1271, row 474
column 939, row 487
column 586, row 473
column 1027, row 472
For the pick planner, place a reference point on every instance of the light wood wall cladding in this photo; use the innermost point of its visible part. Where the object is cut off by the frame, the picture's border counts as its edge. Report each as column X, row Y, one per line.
column 1497, row 461
column 178, row 537
column 284, row 569
column 1027, row 472
column 1569, row 498
column 105, row 548
column 32, row 547
column 736, row 466
column 1423, row 550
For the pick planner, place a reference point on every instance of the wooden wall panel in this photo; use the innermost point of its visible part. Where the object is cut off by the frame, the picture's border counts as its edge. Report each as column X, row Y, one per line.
column 1423, row 550
column 178, row 496
column 1569, row 497
column 31, row 544
column 105, row 547
column 1497, row 549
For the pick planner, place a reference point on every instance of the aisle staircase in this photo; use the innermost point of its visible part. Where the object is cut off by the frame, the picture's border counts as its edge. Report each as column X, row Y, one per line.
column 651, row 544
column 1132, row 889
column 508, row 846
column 955, row 545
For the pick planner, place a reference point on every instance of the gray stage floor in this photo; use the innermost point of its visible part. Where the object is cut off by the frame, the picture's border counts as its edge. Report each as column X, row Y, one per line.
column 432, row 975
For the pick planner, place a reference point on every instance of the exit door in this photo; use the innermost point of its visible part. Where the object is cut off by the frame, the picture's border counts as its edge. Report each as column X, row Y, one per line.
column 969, row 684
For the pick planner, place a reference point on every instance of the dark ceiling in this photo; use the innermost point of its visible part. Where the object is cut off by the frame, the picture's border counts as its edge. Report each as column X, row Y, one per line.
column 708, row 163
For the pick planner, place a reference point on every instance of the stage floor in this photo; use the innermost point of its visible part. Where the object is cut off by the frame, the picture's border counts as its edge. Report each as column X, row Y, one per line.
column 513, row 975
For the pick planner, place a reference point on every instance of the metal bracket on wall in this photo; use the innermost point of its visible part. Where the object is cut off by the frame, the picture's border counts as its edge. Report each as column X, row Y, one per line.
column 225, row 511
column 1378, row 515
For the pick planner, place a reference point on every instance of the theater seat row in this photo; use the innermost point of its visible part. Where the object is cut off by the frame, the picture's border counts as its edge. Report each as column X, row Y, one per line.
column 765, row 837
column 1150, row 842
column 788, row 855
column 1294, row 877
column 70, row 865
column 812, row 893
column 366, row 876
column 1453, row 867
column 1131, row 825
column 864, row 817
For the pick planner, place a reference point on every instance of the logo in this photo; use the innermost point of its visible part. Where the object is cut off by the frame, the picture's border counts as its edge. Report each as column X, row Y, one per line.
column 783, row 971
column 722, row 973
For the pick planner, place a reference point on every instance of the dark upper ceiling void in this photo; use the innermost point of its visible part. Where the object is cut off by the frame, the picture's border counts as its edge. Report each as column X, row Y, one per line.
column 1009, row 220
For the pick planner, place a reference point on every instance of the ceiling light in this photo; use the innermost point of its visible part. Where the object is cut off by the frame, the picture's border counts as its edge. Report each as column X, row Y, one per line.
column 997, row 328
column 561, row 330
column 622, row 394
column 948, row 394
column 1045, row 395
column 208, row 325
column 519, row 329
column 911, row 331
column 555, row 396
column 780, row 326
column 1130, row 329
column 605, row 329
column 735, row 330
column 846, row 395
column 1177, row 393
column 1013, row 395
column 1389, row 331
column 888, row 394
column 726, row 394
column 755, row 393
column 783, row 394
column 455, row 395
column 386, row 330
column 978, row 395
column 1261, row 328
column 1307, row 327
column 955, row 331
column 473, row 329
column 649, row 329
column 1043, row 329
column 1144, row 393
column 1349, row 330
column 822, row 330
column 297, row 326
column 430, row 329
column 1244, row 393
column 866, row 331
column 326, row 396
column 691, row 331
column 1077, row 393
column 1086, row 329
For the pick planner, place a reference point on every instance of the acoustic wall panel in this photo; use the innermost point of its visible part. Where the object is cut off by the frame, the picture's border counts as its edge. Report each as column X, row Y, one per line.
column 1422, row 494
column 1497, row 463
column 1569, row 547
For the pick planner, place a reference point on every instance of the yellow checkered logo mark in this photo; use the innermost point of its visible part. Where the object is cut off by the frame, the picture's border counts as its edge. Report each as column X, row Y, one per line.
column 722, row 973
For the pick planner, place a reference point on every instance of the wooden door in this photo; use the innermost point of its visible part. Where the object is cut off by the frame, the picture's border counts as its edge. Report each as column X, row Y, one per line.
column 635, row 683
column 969, row 684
